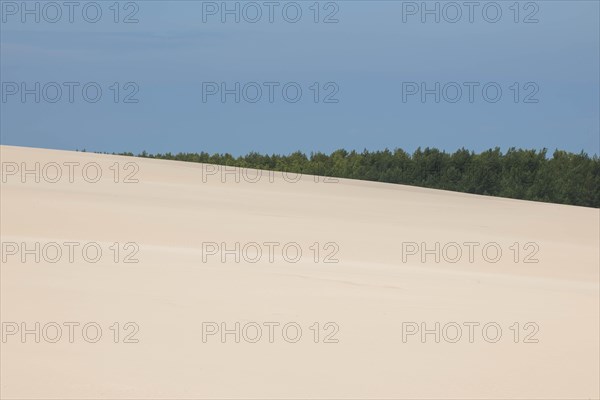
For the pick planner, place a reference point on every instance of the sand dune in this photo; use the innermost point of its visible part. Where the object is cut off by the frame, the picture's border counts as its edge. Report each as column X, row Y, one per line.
column 165, row 256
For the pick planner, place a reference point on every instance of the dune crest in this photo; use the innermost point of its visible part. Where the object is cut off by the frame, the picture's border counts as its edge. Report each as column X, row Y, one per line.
column 130, row 277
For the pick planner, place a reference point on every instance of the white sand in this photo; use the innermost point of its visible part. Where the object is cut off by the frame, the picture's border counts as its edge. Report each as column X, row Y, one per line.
column 368, row 294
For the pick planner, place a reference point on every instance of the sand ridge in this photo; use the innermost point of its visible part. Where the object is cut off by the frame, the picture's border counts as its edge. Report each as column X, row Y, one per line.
column 175, row 262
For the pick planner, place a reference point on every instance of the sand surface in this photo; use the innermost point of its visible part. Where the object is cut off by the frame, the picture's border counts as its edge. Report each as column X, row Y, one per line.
column 351, row 278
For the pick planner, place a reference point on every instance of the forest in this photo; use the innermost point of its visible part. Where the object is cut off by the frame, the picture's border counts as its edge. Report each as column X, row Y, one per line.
column 564, row 177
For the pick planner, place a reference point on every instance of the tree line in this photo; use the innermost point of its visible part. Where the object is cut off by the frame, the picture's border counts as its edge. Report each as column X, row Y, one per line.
column 564, row 178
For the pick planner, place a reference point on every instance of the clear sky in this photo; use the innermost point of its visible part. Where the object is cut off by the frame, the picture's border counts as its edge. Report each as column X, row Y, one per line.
column 371, row 68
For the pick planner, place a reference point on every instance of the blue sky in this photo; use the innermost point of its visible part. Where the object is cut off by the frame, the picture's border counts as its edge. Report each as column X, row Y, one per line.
column 370, row 58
